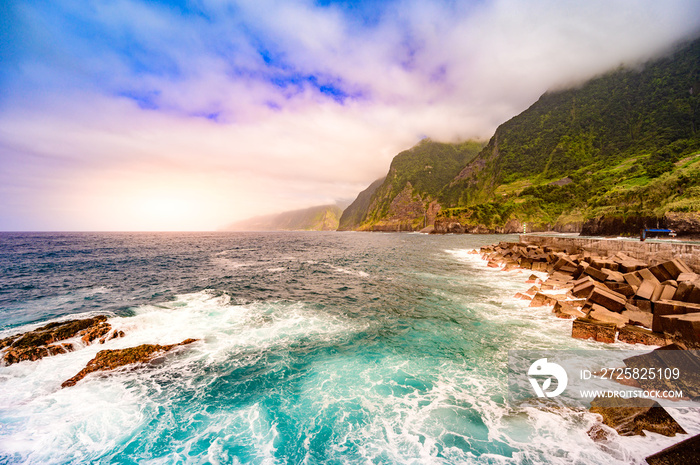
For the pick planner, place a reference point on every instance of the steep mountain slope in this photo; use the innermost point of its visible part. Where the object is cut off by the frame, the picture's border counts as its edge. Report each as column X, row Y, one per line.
column 320, row 218
column 356, row 212
column 406, row 199
column 617, row 153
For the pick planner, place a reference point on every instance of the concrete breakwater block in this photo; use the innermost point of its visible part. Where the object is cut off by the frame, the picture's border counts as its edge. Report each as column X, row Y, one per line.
column 687, row 451
column 618, row 289
column 636, row 335
column 609, row 299
column 566, row 310
column 672, row 355
column 601, row 313
column 587, row 328
column 683, row 328
column 541, row 300
column 638, row 317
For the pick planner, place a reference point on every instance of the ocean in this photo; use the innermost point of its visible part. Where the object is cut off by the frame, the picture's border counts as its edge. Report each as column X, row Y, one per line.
column 313, row 348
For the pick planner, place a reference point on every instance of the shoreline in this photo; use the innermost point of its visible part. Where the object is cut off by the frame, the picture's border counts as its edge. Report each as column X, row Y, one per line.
column 612, row 296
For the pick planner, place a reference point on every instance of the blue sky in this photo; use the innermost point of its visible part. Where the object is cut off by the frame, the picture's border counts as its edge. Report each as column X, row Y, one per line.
column 127, row 114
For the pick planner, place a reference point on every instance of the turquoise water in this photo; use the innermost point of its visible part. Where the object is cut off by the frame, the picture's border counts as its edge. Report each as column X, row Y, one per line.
column 313, row 348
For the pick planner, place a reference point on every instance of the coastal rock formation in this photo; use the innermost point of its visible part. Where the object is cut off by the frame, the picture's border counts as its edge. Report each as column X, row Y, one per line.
column 111, row 359
column 616, row 297
column 459, row 225
column 616, row 225
column 630, row 417
column 406, row 212
column 45, row 341
column 684, row 223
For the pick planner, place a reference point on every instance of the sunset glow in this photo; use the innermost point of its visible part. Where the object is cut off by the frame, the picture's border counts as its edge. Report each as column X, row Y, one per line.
column 239, row 108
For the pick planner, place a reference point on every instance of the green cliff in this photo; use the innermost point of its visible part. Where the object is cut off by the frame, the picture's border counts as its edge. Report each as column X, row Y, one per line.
column 406, row 200
column 320, row 218
column 610, row 156
column 356, row 213
column 618, row 152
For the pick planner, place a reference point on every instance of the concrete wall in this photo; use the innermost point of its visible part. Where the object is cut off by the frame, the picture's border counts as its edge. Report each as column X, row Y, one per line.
column 650, row 252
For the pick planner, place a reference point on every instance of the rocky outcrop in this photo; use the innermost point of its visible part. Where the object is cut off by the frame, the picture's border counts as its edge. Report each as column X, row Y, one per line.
column 684, row 223
column 51, row 339
column 407, row 212
column 449, row 225
column 617, row 225
column 111, row 359
column 572, row 227
column 630, row 417
column 409, row 197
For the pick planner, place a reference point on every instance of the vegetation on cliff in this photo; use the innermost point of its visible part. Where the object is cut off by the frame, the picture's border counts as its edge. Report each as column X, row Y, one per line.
column 622, row 145
column 356, row 213
column 406, row 198
column 620, row 151
column 320, row 218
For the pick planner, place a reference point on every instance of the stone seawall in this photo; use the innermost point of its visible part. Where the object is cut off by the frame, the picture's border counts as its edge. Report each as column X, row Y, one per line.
column 651, row 252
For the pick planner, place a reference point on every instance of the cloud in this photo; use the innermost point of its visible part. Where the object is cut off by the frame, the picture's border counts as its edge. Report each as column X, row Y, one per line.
column 250, row 107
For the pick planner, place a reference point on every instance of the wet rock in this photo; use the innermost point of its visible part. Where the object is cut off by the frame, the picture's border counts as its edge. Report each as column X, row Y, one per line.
column 599, row 433
column 111, row 359
column 96, row 332
column 114, row 335
column 631, row 417
column 45, row 341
